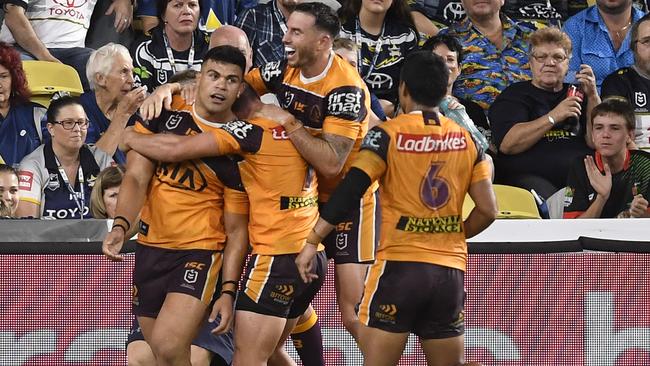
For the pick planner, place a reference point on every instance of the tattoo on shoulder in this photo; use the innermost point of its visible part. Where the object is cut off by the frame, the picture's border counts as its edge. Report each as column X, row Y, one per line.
column 342, row 145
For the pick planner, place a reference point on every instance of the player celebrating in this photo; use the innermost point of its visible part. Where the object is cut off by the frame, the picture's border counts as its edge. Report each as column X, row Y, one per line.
column 330, row 102
column 283, row 196
column 181, row 241
column 426, row 164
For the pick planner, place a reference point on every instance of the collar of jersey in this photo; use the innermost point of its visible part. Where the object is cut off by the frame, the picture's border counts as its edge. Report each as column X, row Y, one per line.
column 203, row 120
column 601, row 167
column 306, row 80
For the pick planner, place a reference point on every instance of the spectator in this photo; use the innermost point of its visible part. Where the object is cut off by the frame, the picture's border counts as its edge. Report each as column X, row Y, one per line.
column 633, row 83
column 214, row 13
column 20, row 119
column 463, row 112
column 174, row 46
column 384, row 33
column 265, row 25
column 614, row 182
column 54, row 31
column 103, row 199
column 9, row 192
column 537, row 128
column 496, row 49
column 112, row 101
column 599, row 35
column 348, row 50
column 58, row 176
column 233, row 36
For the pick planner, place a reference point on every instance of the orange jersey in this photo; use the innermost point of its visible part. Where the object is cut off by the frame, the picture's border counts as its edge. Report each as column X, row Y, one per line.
column 425, row 165
column 281, row 187
column 185, row 201
column 335, row 102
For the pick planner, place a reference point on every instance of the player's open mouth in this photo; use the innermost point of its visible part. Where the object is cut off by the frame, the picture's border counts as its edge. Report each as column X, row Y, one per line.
column 217, row 98
column 290, row 51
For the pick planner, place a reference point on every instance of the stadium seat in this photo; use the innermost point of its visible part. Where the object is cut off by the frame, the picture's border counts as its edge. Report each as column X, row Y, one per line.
column 512, row 202
column 45, row 78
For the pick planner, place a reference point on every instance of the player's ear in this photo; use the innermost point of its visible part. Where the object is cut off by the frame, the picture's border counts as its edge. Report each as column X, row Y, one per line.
column 242, row 87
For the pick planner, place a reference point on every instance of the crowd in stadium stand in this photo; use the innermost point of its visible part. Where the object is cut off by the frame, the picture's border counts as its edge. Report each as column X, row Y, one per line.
column 556, row 94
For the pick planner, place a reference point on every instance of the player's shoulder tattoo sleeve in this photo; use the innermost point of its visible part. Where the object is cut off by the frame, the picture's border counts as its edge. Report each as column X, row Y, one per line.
column 347, row 102
column 248, row 135
column 377, row 140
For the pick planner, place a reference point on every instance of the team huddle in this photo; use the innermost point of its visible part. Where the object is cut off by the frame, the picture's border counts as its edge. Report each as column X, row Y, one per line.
column 207, row 180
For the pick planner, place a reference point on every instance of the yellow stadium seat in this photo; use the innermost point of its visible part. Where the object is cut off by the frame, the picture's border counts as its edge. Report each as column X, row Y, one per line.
column 45, row 78
column 512, row 202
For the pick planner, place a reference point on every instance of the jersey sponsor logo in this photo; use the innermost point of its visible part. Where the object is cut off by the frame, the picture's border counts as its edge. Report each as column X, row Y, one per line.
column 65, row 213
column 552, row 135
column 238, row 129
column 345, row 102
column 568, row 196
column 432, row 225
column 640, row 99
column 53, row 183
column 279, row 133
column 270, row 70
column 69, row 8
column 452, row 141
column 454, row 12
column 282, row 294
column 371, row 141
column 378, row 80
column 183, row 175
column 71, row 3
column 292, row 203
column 25, row 180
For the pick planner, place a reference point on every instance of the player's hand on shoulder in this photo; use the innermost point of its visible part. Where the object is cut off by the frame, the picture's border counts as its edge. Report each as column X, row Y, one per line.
column 276, row 114
column 161, row 98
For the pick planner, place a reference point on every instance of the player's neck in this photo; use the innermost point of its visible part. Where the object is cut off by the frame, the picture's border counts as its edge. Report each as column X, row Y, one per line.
column 371, row 22
column 217, row 117
column 178, row 41
column 4, row 108
column 318, row 66
column 616, row 162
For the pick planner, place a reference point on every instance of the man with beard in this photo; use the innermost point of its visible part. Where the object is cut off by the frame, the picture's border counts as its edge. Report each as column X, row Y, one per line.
column 633, row 83
column 600, row 39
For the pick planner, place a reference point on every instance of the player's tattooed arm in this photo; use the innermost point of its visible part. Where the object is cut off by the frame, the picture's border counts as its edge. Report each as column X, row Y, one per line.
column 327, row 154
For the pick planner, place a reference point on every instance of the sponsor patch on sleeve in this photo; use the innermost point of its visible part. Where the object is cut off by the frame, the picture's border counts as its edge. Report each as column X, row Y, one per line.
column 25, row 180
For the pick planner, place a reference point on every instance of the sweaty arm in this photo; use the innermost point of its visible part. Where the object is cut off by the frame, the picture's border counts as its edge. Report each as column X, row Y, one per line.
column 367, row 168
column 327, row 154
column 171, row 148
column 139, row 171
column 485, row 211
column 24, row 34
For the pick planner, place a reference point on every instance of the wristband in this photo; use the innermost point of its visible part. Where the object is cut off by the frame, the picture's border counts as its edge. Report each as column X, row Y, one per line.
column 128, row 224
column 313, row 238
column 292, row 127
column 229, row 292
column 551, row 120
column 120, row 226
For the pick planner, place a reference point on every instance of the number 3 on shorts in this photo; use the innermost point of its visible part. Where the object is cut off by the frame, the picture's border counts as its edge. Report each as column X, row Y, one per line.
column 434, row 190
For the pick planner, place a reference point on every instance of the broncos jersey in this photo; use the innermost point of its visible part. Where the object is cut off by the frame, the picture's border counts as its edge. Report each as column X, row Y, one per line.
column 281, row 187
column 425, row 164
column 335, row 102
column 185, row 200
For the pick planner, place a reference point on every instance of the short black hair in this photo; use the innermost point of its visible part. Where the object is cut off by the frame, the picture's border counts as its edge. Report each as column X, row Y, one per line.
column 58, row 103
column 325, row 18
column 449, row 41
column 228, row 55
column 616, row 105
column 425, row 76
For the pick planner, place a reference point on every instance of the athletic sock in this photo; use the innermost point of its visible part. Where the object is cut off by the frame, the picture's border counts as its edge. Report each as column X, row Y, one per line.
column 308, row 341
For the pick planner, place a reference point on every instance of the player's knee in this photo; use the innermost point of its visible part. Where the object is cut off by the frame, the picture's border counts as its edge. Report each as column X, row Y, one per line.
column 200, row 356
column 350, row 320
column 167, row 351
column 138, row 353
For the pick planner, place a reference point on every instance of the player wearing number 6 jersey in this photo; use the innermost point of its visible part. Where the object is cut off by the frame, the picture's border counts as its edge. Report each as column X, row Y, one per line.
column 425, row 164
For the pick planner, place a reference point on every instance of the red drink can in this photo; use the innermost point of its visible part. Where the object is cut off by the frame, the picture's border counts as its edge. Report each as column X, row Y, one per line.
column 575, row 91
